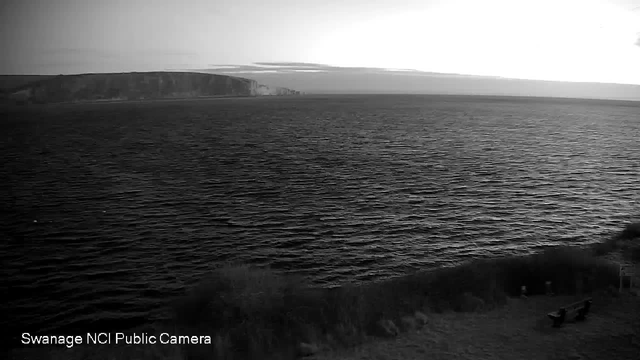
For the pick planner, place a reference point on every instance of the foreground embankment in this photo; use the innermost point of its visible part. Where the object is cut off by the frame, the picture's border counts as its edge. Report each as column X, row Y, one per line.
column 518, row 330
column 472, row 310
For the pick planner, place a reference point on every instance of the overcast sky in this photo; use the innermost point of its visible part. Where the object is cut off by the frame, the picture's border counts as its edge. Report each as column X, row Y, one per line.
column 572, row 40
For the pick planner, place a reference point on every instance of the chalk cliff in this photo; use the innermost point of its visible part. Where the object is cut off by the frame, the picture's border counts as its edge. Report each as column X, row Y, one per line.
column 139, row 86
column 264, row 90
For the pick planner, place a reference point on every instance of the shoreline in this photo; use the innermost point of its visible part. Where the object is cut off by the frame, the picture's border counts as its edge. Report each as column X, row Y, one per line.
column 133, row 101
column 249, row 312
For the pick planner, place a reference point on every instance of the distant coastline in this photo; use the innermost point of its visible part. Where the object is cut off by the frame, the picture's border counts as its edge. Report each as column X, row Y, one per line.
column 204, row 84
column 632, row 102
column 134, row 86
column 326, row 79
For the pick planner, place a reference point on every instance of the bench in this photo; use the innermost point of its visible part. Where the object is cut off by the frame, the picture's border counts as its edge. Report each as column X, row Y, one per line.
column 579, row 308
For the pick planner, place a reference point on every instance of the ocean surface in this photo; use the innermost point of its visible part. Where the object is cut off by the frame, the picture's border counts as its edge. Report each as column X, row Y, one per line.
column 109, row 210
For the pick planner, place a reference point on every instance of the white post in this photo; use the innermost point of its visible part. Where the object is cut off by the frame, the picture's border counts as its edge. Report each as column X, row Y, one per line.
column 627, row 271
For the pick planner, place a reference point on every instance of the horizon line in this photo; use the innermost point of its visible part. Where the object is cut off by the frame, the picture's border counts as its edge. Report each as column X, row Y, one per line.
column 390, row 71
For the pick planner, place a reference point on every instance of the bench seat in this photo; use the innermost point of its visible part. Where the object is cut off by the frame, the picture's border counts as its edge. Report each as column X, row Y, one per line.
column 579, row 308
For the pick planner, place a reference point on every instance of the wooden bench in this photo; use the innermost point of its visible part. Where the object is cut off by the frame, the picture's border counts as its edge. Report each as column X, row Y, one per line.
column 579, row 308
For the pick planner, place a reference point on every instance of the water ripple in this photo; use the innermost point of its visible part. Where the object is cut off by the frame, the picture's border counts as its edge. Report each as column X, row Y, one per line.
column 111, row 209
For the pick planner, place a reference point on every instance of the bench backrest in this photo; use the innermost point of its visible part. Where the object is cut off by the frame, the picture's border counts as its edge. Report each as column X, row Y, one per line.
column 577, row 305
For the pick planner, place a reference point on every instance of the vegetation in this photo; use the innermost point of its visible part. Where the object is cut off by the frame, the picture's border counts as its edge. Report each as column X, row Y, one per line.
column 631, row 231
column 129, row 86
column 627, row 241
column 251, row 312
column 257, row 313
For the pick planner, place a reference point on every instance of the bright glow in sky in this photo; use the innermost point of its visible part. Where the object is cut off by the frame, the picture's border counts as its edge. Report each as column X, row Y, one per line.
column 572, row 40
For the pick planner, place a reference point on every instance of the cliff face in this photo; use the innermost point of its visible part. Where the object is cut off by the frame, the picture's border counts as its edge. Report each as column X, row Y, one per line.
column 9, row 82
column 264, row 90
column 139, row 86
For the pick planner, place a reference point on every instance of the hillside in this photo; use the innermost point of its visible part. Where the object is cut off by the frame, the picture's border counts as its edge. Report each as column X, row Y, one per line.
column 136, row 86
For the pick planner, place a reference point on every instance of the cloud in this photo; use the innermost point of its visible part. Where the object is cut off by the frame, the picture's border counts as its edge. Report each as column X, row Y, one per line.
column 638, row 40
column 100, row 56
column 253, row 72
column 223, row 66
column 301, row 67
column 290, row 64
column 260, row 66
column 85, row 54
column 285, row 67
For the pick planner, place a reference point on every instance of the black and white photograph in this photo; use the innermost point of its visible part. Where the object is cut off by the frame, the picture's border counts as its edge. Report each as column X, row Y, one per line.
column 320, row 180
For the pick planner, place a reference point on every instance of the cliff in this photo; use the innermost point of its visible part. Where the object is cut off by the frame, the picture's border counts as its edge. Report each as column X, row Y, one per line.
column 137, row 86
column 9, row 82
column 264, row 90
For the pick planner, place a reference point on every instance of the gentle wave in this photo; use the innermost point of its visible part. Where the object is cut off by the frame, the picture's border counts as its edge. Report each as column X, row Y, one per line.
column 112, row 209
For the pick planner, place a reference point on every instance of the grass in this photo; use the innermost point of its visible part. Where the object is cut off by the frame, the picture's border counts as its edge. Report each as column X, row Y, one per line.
column 257, row 313
column 251, row 312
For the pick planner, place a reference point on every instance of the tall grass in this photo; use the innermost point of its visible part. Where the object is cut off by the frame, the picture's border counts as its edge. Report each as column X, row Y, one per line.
column 260, row 314
column 257, row 313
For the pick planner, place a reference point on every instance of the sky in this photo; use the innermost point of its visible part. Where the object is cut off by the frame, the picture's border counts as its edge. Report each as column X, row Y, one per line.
column 565, row 40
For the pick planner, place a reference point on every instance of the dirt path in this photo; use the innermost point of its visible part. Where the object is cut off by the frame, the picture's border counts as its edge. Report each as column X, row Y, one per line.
column 520, row 330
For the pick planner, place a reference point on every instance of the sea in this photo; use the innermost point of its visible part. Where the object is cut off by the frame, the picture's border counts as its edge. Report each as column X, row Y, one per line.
column 111, row 209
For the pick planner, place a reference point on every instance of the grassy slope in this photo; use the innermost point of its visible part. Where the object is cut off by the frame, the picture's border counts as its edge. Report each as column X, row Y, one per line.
column 252, row 312
column 519, row 330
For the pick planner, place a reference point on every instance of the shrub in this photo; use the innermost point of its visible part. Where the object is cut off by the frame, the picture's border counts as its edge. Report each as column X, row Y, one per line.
column 253, row 311
column 631, row 231
column 604, row 248
column 619, row 241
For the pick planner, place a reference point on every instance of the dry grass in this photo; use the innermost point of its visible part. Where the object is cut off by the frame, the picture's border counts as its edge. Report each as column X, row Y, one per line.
column 257, row 313
column 252, row 312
